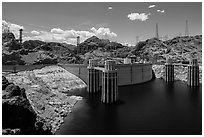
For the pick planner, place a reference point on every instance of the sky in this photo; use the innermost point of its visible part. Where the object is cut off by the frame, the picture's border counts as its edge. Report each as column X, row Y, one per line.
column 124, row 22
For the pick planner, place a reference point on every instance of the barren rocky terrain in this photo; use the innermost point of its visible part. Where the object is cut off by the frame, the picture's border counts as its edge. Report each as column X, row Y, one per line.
column 180, row 49
column 46, row 90
column 180, row 72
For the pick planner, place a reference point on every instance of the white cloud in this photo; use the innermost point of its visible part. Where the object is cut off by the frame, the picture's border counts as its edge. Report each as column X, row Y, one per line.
column 59, row 35
column 110, row 8
column 138, row 16
column 69, row 36
column 57, row 30
column 161, row 11
column 14, row 28
column 103, row 32
column 34, row 32
column 151, row 6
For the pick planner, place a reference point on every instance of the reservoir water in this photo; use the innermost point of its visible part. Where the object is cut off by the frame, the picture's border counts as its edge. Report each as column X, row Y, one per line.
column 149, row 108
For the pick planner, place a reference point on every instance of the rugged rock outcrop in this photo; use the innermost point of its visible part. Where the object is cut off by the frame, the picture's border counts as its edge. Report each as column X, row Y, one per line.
column 47, row 91
column 180, row 49
column 31, row 44
column 180, row 72
column 17, row 113
column 94, row 43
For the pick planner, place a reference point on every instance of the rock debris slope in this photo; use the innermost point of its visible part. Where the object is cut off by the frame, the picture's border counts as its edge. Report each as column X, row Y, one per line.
column 46, row 89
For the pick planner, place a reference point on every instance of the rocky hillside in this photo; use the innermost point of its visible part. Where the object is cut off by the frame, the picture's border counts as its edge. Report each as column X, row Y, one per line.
column 180, row 72
column 180, row 49
column 9, row 42
column 36, row 52
column 41, row 100
column 94, row 43
column 17, row 113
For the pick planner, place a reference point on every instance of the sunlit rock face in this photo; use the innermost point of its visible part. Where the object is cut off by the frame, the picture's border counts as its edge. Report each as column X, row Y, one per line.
column 47, row 91
column 180, row 49
column 180, row 72
column 18, row 116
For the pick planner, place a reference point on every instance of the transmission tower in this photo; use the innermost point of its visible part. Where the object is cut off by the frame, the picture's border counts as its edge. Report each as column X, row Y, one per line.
column 186, row 30
column 157, row 34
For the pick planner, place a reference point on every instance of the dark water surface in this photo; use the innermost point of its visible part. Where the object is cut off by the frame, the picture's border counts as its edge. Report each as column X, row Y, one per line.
column 149, row 108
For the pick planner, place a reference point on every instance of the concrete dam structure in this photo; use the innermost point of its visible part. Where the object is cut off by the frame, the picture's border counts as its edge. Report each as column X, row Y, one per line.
column 127, row 74
column 106, row 78
column 110, row 76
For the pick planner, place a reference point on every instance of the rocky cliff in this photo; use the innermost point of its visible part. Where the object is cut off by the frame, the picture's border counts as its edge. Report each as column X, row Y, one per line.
column 17, row 113
column 40, row 102
column 180, row 72
column 180, row 49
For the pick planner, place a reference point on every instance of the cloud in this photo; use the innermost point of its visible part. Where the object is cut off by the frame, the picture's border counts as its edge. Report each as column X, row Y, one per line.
column 110, row 8
column 69, row 36
column 103, row 32
column 138, row 16
column 59, row 35
column 56, row 30
column 161, row 11
column 14, row 28
column 151, row 6
column 34, row 32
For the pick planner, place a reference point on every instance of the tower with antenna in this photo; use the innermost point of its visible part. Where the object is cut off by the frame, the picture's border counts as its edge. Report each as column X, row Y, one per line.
column 186, row 29
column 157, row 33
column 78, row 40
column 20, row 36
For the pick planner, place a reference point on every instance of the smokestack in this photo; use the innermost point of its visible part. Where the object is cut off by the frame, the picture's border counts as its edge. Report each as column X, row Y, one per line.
column 20, row 37
column 78, row 40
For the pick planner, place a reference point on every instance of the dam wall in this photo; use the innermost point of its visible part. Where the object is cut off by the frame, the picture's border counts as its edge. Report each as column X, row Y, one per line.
column 133, row 73
column 127, row 73
column 79, row 70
